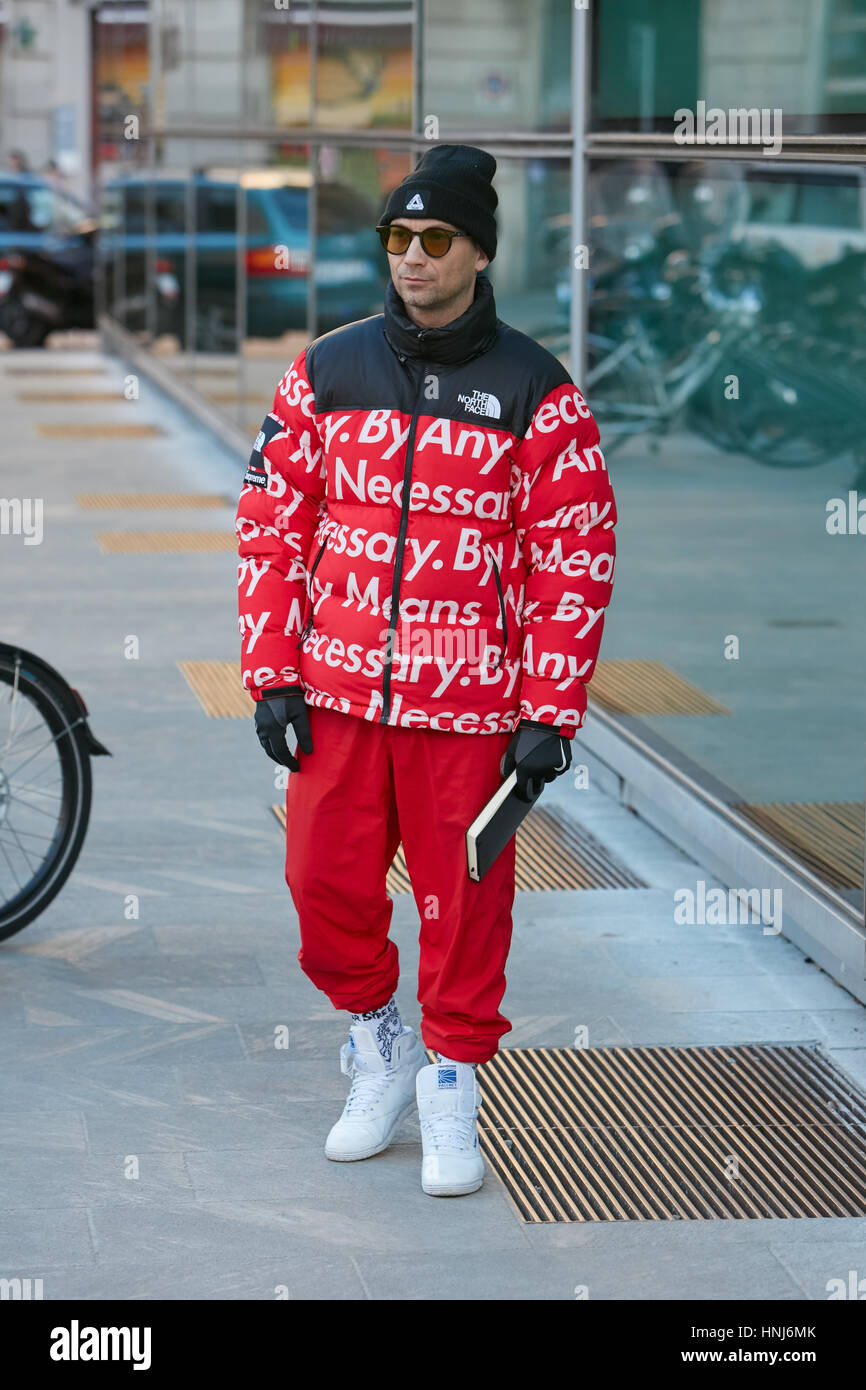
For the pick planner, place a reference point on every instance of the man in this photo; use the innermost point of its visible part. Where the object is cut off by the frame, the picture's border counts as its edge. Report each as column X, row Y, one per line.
column 426, row 553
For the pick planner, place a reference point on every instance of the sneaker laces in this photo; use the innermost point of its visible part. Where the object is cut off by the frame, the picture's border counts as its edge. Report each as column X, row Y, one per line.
column 438, row 1130
column 367, row 1089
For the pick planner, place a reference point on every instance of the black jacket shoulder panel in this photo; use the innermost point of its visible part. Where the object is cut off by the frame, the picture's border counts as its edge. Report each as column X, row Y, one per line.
column 528, row 373
column 354, row 368
column 332, row 357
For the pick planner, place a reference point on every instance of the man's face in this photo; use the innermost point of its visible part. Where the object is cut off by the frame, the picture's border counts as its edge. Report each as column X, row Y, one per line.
column 425, row 282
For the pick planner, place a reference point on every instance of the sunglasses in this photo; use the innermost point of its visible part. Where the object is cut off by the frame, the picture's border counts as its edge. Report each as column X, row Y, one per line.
column 435, row 241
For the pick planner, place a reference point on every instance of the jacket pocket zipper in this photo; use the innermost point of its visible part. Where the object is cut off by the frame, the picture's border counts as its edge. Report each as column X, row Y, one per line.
column 309, row 623
column 502, row 612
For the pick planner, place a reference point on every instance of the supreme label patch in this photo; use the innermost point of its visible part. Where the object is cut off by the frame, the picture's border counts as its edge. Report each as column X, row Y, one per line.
column 257, row 473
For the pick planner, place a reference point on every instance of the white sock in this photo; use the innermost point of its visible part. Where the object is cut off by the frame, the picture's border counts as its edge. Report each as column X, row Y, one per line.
column 386, row 1025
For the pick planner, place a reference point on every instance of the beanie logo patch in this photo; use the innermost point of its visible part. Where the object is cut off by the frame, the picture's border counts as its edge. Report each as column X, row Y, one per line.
column 415, row 203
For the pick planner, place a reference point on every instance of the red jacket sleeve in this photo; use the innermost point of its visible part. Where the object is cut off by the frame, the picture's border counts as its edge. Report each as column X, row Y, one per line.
column 280, row 504
column 564, row 514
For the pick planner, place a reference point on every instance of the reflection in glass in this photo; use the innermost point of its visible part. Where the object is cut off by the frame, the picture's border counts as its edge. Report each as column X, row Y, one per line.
column 277, row 81
column 652, row 58
column 530, row 272
column 364, row 66
column 505, row 71
column 727, row 373
column 121, row 77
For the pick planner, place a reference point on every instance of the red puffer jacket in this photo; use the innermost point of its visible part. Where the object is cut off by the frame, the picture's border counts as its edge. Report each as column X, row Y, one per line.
column 454, row 469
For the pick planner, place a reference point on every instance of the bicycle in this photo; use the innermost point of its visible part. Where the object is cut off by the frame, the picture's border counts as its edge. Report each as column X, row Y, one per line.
column 661, row 327
column 45, row 784
column 669, row 330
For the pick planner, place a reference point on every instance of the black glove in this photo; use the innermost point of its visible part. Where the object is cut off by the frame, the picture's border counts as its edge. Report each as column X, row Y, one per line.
column 540, row 754
column 274, row 714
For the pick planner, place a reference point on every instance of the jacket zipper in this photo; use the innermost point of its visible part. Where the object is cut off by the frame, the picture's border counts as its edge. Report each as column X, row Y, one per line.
column 309, row 622
column 502, row 613
column 398, row 557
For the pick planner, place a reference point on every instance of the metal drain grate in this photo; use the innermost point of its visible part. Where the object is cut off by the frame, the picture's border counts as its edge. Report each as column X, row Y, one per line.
column 552, row 852
column 72, row 397
column 163, row 500
column 197, row 369
column 166, row 542
column 217, row 687
column 826, row 835
column 235, row 397
column 658, row 1133
column 647, row 687
column 45, row 373
column 69, row 430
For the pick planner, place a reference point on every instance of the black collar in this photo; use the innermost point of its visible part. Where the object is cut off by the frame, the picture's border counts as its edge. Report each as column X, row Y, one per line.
column 464, row 338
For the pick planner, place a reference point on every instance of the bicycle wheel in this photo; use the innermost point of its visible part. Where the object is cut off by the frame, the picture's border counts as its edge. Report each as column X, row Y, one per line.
column 45, row 792
column 798, row 406
column 623, row 389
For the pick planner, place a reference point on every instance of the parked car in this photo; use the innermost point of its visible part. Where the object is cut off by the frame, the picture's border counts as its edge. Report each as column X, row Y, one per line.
column 46, row 259
column 144, row 218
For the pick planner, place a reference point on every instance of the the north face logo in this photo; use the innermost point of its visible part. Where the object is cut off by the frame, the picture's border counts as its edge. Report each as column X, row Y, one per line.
column 260, row 442
column 415, row 204
column 481, row 403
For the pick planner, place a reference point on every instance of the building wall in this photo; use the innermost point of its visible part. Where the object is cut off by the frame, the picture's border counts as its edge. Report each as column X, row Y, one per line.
column 770, row 54
column 45, row 86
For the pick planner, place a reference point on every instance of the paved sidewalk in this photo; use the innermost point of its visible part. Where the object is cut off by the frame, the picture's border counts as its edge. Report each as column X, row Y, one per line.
column 147, row 1046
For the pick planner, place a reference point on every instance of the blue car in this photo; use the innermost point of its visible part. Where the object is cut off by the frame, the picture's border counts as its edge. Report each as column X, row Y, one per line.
column 144, row 220
column 46, row 259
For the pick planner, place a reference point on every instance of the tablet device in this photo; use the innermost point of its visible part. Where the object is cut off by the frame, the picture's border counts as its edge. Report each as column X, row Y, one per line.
column 494, row 826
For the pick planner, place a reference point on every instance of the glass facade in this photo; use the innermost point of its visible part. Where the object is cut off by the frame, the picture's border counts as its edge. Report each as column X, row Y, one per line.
column 724, row 361
column 712, row 287
column 805, row 57
column 727, row 371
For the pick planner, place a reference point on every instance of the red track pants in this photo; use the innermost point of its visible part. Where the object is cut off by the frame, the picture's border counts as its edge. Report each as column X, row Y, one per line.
column 364, row 788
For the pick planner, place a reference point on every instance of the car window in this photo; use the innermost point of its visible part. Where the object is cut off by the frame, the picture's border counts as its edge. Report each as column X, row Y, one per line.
column 14, row 209
column 257, row 217
column 39, row 208
column 772, row 200
column 111, row 209
column 164, row 202
column 217, row 207
column 342, row 209
column 66, row 215
column 41, row 202
column 292, row 205
column 170, row 208
column 827, row 203
column 134, row 211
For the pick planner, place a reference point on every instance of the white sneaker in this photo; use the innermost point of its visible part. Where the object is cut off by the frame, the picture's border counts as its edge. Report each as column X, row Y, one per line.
column 382, row 1093
column 448, row 1101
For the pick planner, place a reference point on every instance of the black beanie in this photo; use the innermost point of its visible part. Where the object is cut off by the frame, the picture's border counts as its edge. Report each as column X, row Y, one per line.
column 452, row 182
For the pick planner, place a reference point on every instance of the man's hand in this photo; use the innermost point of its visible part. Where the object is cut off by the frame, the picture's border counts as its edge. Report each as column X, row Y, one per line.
column 540, row 754
column 274, row 714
